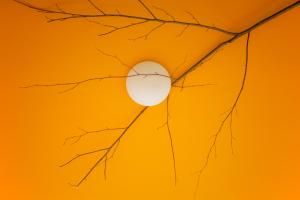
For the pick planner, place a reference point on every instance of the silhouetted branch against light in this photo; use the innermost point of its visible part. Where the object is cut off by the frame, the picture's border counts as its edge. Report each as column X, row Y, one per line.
column 75, row 84
column 76, row 138
column 111, row 147
column 115, row 58
column 194, row 18
column 183, row 30
column 109, row 151
column 84, row 154
column 148, row 9
column 165, row 12
column 123, row 27
column 67, row 15
column 96, row 7
column 189, row 70
column 145, row 36
column 232, row 39
column 171, row 140
column 228, row 116
column 192, row 85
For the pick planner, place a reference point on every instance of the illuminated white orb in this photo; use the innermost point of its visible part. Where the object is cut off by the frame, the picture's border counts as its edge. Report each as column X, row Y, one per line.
column 148, row 83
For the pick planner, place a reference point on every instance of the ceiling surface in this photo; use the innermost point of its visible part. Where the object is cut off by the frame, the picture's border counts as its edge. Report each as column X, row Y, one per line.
column 256, row 156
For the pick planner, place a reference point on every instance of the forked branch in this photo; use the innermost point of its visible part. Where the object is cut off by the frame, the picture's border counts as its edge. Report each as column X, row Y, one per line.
column 109, row 151
column 228, row 116
column 74, row 139
column 71, row 15
column 75, row 84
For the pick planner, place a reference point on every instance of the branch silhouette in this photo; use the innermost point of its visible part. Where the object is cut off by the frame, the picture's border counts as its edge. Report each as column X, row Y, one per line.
column 72, row 15
column 110, row 150
column 228, row 115
column 75, row 84
column 76, row 138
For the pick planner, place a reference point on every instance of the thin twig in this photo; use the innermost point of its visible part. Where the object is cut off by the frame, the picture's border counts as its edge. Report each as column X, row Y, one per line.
column 102, row 24
column 83, row 154
column 70, row 15
column 213, row 145
column 97, row 7
column 145, row 36
column 75, row 84
column 231, row 135
column 234, row 38
column 76, row 138
column 191, row 86
column 148, row 9
column 122, row 27
column 183, row 30
column 164, row 11
column 178, row 66
column 235, row 35
column 111, row 147
column 115, row 57
column 105, row 168
column 171, row 141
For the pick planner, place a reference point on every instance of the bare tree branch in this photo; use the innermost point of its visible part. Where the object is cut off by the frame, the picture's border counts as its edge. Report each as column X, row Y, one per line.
column 123, row 27
column 110, row 147
column 102, row 24
column 183, row 30
column 231, row 135
column 145, row 36
column 234, row 38
column 75, row 84
column 95, row 6
column 189, row 70
column 116, row 58
column 192, row 86
column 178, row 66
column 76, row 138
column 149, row 11
column 84, row 154
column 213, row 145
column 105, row 168
column 71, row 15
column 194, row 18
column 171, row 141
column 166, row 13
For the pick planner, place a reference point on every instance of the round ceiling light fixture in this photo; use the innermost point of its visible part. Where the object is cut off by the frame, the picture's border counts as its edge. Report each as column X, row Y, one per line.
column 148, row 83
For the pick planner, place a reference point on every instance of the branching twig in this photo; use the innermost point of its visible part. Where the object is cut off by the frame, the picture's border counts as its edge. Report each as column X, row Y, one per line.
column 123, row 27
column 231, row 135
column 75, row 84
column 164, row 11
column 115, row 57
column 171, row 141
column 145, row 36
column 192, row 86
column 109, row 149
column 194, row 18
column 235, row 35
column 95, row 6
column 213, row 145
column 76, row 138
column 178, row 66
column 234, row 38
column 71, row 15
column 148, row 9
column 183, row 30
column 84, row 154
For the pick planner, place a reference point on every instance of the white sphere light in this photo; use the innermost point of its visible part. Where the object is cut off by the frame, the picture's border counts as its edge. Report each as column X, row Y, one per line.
column 148, row 83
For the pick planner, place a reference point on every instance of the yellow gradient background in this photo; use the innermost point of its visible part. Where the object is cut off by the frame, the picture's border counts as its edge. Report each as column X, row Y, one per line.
column 34, row 122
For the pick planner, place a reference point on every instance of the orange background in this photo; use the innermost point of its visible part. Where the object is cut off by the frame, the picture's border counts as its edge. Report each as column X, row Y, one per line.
column 35, row 122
